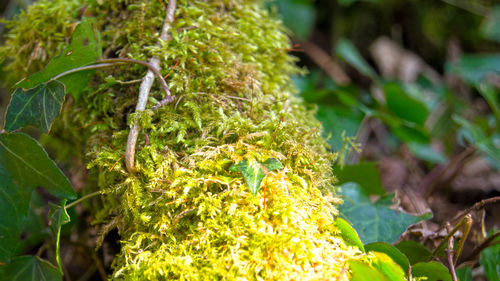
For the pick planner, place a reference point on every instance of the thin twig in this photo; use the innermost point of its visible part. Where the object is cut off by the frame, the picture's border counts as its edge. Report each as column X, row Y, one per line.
column 102, row 63
column 150, row 65
column 479, row 205
column 485, row 244
column 147, row 83
column 76, row 202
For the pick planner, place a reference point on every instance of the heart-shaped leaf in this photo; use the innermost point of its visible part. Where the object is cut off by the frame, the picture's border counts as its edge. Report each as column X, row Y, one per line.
column 38, row 107
column 374, row 221
column 29, row 268
column 24, row 165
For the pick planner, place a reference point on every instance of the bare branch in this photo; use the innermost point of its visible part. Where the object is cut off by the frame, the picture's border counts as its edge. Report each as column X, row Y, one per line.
column 326, row 63
column 147, row 83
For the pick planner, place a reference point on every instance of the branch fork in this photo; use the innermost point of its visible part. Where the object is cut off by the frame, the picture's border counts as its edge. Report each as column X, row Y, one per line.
column 144, row 89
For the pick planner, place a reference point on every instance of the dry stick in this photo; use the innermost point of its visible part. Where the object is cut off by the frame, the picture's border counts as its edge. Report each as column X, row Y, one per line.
column 449, row 253
column 479, row 205
column 147, row 83
column 326, row 63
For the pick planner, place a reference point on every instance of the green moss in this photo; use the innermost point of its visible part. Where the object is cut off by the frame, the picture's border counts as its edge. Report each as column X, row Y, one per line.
column 184, row 215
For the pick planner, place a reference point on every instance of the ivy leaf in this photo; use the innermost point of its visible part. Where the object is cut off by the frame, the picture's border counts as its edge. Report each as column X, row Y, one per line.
column 374, row 221
column 29, row 268
column 253, row 173
column 85, row 48
column 27, row 163
column 24, row 165
column 38, row 106
column 14, row 204
column 58, row 216
column 370, row 180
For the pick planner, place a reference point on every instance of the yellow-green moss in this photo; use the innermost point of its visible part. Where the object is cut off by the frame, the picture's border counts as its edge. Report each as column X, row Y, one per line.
column 184, row 215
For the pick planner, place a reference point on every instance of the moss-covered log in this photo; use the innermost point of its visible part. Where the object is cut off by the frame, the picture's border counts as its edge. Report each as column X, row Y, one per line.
column 184, row 215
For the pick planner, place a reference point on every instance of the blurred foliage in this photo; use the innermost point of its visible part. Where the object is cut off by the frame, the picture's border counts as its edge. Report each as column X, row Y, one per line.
column 451, row 104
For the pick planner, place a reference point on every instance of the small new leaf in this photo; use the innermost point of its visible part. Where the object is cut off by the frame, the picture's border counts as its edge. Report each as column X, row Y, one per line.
column 38, row 107
column 253, row 173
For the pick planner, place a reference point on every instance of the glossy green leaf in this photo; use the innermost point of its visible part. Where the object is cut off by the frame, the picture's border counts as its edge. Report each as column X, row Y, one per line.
column 58, row 217
column 370, row 180
column 490, row 260
column 475, row 69
column 390, row 251
column 298, row 15
column 362, row 272
column 85, row 48
column 347, row 51
column 252, row 173
column 404, row 106
column 374, row 221
column 27, row 163
column 24, row 165
column 464, row 274
column 349, row 234
column 29, row 268
column 14, row 203
column 415, row 252
column 385, row 264
column 434, row 271
column 38, row 107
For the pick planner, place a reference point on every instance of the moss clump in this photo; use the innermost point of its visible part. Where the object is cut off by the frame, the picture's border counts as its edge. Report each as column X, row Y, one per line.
column 184, row 215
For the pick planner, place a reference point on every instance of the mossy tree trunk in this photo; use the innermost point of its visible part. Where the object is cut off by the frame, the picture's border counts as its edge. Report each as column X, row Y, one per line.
column 184, row 214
